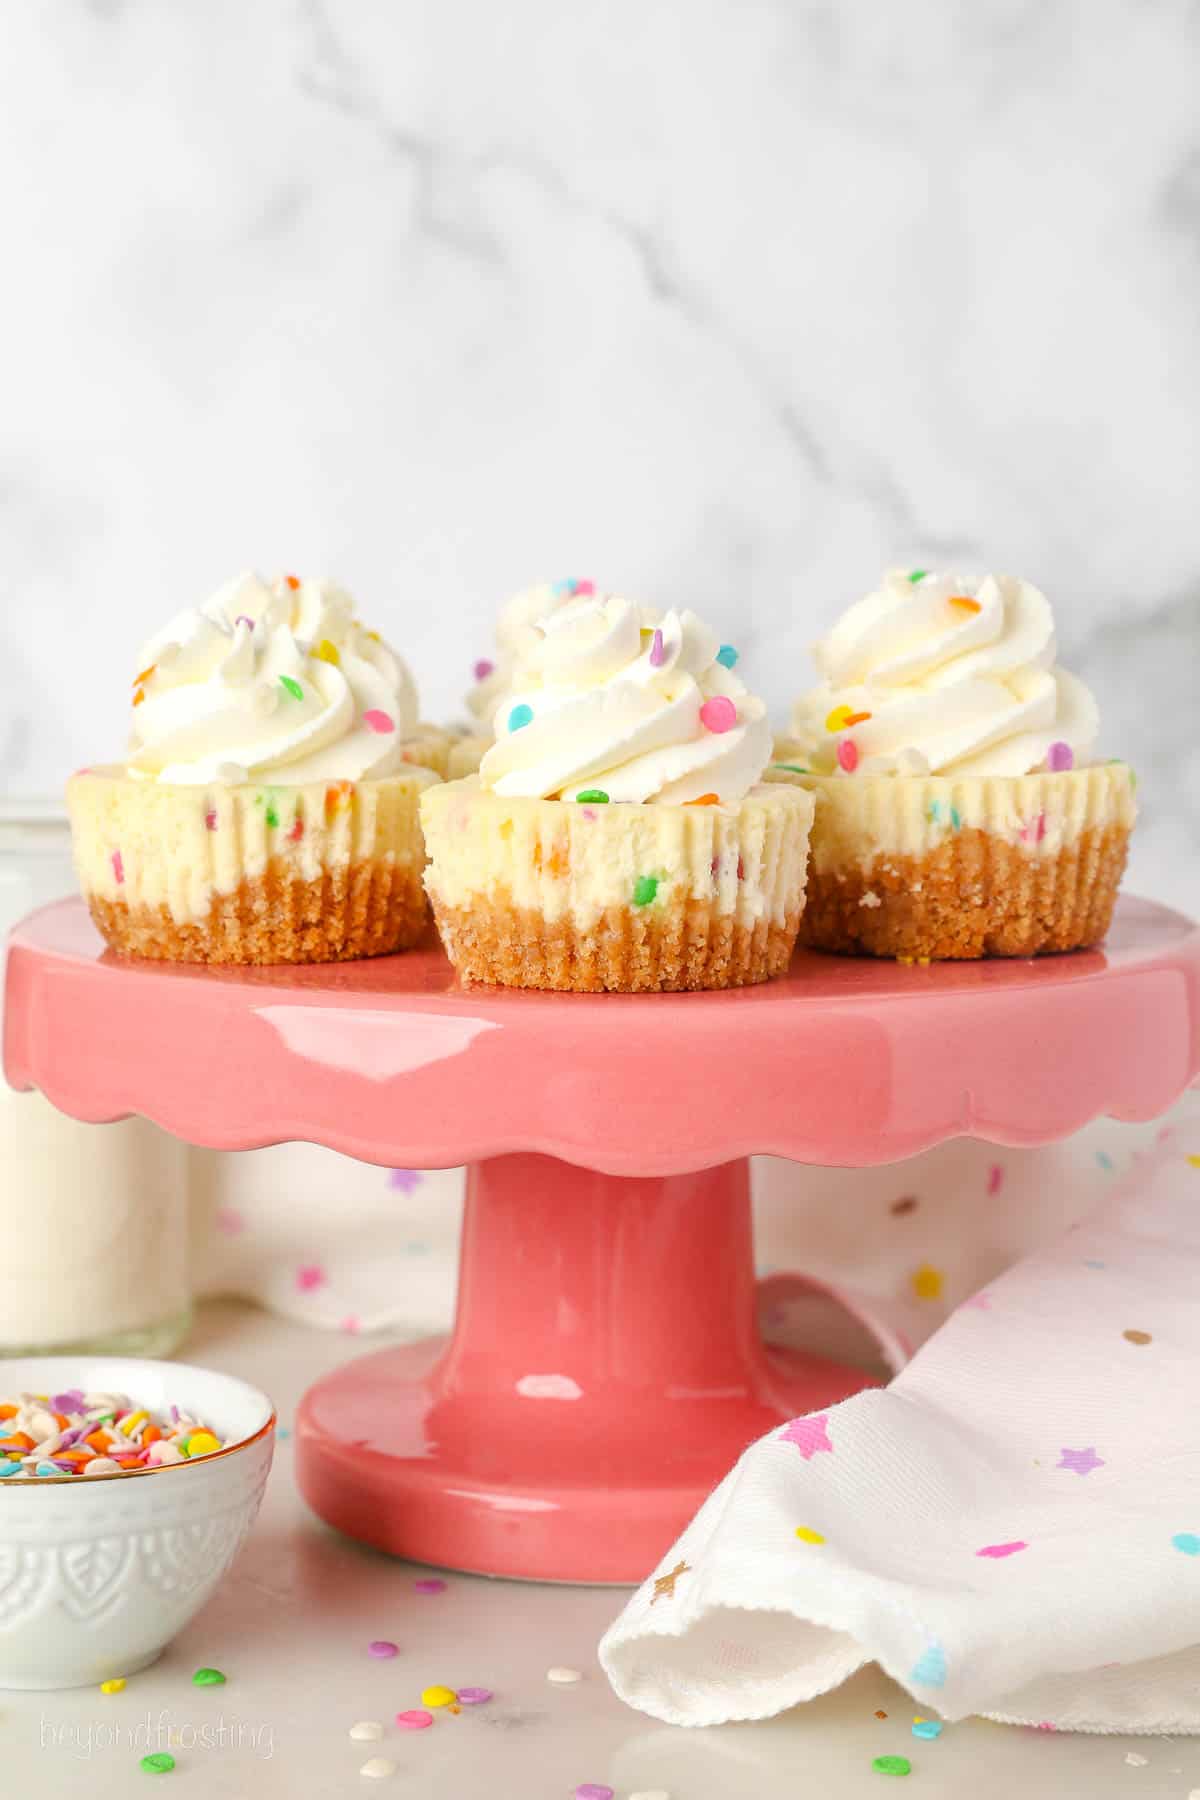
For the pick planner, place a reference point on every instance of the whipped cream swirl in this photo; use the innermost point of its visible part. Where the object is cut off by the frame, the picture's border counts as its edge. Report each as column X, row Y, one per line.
column 273, row 682
column 494, row 675
column 610, row 698
column 940, row 674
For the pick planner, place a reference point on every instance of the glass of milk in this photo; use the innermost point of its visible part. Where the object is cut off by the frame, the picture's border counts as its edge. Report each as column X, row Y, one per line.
column 93, row 1218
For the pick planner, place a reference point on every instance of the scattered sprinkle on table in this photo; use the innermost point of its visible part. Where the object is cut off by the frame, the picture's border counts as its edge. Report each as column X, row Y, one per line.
column 383, row 1647
column 438, row 1696
column 1136, row 1761
column 1136, row 1337
column 367, row 1731
column 414, row 1721
column 429, row 1584
column 927, row 1728
column 159, row 1762
column 77, row 1433
column 474, row 1696
column 564, row 1677
column 880, row 1714
column 892, row 1765
column 208, row 1678
column 115, row 1686
column 378, row 1768
column 593, row 1790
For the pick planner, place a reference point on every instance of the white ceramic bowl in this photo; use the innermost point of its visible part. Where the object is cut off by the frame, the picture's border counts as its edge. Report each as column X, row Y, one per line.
column 98, row 1573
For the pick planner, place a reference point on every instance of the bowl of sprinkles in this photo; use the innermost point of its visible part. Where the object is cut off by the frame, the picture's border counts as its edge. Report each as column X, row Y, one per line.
column 103, row 1559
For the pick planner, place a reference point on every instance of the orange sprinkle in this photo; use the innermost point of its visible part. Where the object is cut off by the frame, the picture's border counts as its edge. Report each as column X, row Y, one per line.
column 293, row 581
column 64, row 1424
column 99, row 1440
column 8, row 1412
column 857, row 718
column 148, row 1436
column 140, row 680
column 966, row 602
column 18, row 1441
column 337, row 797
column 139, row 696
column 705, row 800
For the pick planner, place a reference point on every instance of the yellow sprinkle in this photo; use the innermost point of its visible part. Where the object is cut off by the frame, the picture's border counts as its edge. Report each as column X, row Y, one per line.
column 374, row 637
column 115, row 1686
column 130, row 1425
column 1195, row 1161
column 328, row 652
column 202, row 1443
column 505, row 828
column 438, row 1696
column 927, row 1282
column 808, row 1536
column 839, row 718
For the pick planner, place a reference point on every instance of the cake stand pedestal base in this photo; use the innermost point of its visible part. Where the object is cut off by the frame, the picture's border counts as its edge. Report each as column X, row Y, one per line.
column 605, row 1371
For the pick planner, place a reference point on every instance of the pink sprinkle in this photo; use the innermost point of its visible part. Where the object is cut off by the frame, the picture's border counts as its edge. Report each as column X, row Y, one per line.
column 589, row 812
column 383, row 1647
column 429, row 1584
column 230, row 1221
column 584, row 588
column 1060, row 756
column 593, row 1790
column 311, row 1276
column 998, row 1550
column 474, row 1696
column 484, row 668
column 847, row 755
column 350, row 1324
column 414, row 1721
column 118, row 866
column 379, row 721
column 1035, row 831
column 658, row 657
column 719, row 714
column 210, row 818
column 995, row 1178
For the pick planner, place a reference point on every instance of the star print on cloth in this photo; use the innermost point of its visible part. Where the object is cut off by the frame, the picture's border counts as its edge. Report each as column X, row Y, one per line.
column 664, row 1585
column 1081, row 1461
column 808, row 1435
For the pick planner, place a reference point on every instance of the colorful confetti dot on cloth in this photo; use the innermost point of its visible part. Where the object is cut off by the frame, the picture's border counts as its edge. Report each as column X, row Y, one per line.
column 159, row 1762
column 644, row 889
column 208, row 1678
column 383, row 1648
column 999, row 1551
column 378, row 721
column 474, row 1696
column 1082, row 1462
column 593, row 1790
column 293, row 687
column 404, row 1180
column 847, row 755
column 310, row 1276
column 727, row 656
column 429, row 1584
column 718, row 714
column 808, row 1435
column 892, row 1765
column 927, row 1728
column 1187, row 1542
column 808, row 1536
column 415, row 1720
column 519, row 717
column 1060, row 757
column 927, row 1282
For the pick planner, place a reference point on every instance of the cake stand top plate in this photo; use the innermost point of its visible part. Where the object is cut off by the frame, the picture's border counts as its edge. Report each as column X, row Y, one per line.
column 840, row 1062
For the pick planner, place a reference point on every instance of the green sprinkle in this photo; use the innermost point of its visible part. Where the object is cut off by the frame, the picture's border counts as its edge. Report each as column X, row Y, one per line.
column 792, row 768
column 293, row 687
column 892, row 1765
column 917, row 575
column 956, row 818
column 160, row 1762
column 596, row 795
column 644, row 889
column 272, row 816
column 208, row 1678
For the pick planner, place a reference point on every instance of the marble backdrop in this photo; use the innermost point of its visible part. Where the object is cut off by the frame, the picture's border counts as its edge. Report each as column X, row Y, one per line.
column 722, row 303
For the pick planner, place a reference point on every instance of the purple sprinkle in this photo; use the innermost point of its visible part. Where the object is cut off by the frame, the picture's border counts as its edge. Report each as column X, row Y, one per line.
column 405, row 1180
column 429, row 1584
column 1060, row 756
column 484, row 668
column 68, row 1402
column 382, row 1647
column 244, row 619
column 658, row 655
column 68, row 1468
column 174, row 1415
column 474, row 1696
column 593, row 1790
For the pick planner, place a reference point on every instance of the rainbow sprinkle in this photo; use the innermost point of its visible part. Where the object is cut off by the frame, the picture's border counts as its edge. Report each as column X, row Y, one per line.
column 727, row 656
column 519, row 717
column 596, row 795
column 645, row 888
column 293, row 687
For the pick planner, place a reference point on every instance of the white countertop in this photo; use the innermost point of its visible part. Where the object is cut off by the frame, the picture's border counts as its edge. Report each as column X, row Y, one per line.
column 291, row 1626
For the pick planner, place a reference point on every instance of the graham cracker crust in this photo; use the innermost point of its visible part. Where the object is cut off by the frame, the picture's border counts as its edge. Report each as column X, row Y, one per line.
column 679, row 949
column 974, row 895
column 364, row 909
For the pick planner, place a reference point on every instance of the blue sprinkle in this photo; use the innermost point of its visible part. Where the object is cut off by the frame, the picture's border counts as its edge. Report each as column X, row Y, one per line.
column 929, row 1670
column 1104, row 1159
column 1188, row 1542
column 727, row 655
column 927, row 1728
column 565, row 587
column 45, row 1468
column 934, row 812
column 9, row 1468
column 956, row 818
column 519, row 716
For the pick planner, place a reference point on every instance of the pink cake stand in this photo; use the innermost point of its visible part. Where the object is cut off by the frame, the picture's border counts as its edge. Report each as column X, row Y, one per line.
column 605, row 1369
